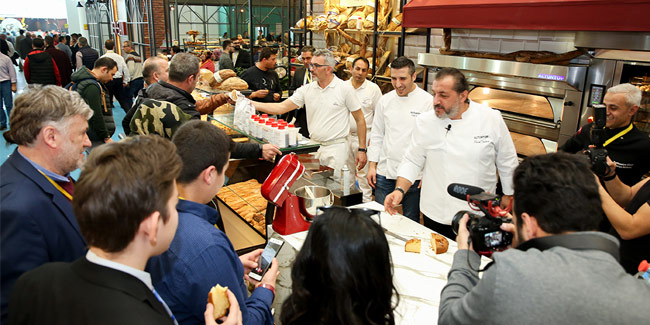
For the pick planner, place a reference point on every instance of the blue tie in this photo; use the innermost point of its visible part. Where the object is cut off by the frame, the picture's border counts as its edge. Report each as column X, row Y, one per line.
column 169, row 311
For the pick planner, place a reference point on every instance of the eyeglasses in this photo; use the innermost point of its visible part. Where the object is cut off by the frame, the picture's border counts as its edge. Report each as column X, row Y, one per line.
column 316, row 65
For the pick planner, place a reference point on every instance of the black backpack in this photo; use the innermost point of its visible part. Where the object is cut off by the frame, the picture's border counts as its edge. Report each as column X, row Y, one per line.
column 72, row 86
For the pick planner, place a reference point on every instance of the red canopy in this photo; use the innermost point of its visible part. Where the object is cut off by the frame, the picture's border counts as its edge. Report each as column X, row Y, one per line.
column 584, row 15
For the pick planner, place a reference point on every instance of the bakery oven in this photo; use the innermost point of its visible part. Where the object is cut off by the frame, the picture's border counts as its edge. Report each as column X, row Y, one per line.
column 540, row 103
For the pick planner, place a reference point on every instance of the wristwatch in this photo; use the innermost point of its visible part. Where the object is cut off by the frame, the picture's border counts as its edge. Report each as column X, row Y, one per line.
column 401, row 190
column 363, row 150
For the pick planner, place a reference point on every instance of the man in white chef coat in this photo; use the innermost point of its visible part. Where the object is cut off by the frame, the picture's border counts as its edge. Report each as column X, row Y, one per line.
column 329, row 101
column 460, row 141
column 393, row 124
column 368, row 94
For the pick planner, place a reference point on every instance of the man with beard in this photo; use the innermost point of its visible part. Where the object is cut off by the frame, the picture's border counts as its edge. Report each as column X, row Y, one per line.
column 561, row 271
column 38, row 225
column 460, row 141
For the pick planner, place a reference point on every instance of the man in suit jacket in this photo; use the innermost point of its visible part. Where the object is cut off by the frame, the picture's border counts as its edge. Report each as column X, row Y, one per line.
column 241, row 57
column 38, row 226
column 128, row 187
column 301, row 77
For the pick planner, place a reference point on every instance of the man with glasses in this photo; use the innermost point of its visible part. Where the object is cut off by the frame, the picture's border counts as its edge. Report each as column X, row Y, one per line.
column 301, row 76
column 328, row 103
column 263, row 79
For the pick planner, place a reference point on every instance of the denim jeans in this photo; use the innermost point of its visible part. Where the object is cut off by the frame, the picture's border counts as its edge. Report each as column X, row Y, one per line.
column 410, row 202
column 7, row 98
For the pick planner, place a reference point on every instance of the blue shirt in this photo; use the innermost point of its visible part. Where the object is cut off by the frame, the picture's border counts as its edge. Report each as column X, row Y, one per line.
column 199, row 257
column 53, row 176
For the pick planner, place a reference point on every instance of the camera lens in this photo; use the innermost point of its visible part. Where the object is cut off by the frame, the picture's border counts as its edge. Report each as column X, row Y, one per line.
column 456, row 220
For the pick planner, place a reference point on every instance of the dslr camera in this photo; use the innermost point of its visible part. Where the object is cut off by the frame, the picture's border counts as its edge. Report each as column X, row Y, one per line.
column 484, row 230
column 598, row 155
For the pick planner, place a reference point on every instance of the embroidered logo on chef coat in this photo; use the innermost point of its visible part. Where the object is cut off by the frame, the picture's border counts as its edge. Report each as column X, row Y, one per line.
column 415, row 114
column 481, row 139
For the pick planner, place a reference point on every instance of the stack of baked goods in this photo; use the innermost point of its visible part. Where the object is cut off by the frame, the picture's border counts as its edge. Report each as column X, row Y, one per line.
column 439, row 244
column 246, row 200
column 215, row 80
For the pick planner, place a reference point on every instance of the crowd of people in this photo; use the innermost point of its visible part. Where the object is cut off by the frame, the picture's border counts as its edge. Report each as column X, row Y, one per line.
column 134, row 234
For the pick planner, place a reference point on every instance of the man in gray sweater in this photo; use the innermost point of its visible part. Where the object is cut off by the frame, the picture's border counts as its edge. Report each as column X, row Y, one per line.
column 561, row 272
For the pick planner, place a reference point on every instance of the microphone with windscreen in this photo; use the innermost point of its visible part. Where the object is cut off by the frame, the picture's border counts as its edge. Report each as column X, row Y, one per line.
column 462, row 191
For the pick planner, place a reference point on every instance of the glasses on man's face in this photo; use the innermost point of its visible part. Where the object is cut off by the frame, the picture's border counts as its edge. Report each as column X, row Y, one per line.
column 316, row 65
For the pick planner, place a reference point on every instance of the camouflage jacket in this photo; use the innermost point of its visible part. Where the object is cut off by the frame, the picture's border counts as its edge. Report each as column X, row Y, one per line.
column 157, row 117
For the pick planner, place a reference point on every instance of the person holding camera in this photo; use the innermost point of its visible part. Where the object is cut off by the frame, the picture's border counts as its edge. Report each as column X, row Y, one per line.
column 561, row 271
column 626, row 145
column 628, row 210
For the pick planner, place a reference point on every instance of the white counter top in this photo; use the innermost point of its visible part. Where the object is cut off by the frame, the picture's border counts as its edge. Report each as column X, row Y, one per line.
column 419, row 278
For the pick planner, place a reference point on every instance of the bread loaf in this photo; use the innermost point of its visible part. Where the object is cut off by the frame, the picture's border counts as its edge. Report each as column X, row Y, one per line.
column 439, row 244
column 234, row 83
column 218, row 297
column 413, row 246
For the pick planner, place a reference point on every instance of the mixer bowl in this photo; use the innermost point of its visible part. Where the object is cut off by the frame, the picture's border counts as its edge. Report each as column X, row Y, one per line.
column 322, row 196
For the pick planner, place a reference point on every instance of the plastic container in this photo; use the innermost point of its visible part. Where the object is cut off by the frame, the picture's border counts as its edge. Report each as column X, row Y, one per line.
column 274, row 134
column 260, row 128
column 292, row 135
column 282, row 137
column 265, row 116
column 251, row 124
column 266, row 135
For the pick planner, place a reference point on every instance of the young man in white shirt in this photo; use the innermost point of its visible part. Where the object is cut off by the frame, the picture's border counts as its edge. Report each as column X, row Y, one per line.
column 368, row 94
column 329, row 102
column 461, row 141
column 118, row 87
column 394, row 121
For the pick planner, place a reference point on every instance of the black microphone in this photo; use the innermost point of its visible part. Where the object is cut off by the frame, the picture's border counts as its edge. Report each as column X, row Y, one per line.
column 448, row 128
column 460, row 191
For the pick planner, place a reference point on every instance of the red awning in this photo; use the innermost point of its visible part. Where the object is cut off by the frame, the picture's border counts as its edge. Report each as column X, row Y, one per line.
column 584, row 15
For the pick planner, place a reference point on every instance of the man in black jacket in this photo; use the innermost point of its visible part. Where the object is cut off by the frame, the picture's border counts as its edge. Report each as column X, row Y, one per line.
column 240, row 57
column 183, row 76
column 61, row 59
column 40, row 67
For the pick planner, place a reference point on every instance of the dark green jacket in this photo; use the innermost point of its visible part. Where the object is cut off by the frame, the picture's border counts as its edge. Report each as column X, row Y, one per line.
column 101, row 125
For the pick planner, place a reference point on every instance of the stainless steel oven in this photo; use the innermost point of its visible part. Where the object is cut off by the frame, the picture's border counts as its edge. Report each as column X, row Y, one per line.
column 540, row 103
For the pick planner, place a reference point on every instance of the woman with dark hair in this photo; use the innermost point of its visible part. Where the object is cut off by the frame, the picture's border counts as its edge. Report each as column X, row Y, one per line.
column 343, row 273
column 206, row 61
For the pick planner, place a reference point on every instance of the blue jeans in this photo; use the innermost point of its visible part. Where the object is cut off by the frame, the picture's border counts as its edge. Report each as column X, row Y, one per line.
column 135, row 86
column 410, row 202
column 7, row 98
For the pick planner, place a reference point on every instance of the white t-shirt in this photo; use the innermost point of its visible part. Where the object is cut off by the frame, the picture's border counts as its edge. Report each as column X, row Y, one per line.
column 328, row 109
column 469, row 152
column 122, row 69
column 368, row 94
column 392, row 126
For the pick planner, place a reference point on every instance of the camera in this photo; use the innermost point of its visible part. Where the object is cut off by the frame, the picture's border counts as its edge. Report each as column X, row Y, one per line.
column 598, row 155
column 484, row 230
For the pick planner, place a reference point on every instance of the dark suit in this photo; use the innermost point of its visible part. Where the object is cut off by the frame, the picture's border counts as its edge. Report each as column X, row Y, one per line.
column 83, row 293
column 243, row 59
column 299, row 114
column 37, row 224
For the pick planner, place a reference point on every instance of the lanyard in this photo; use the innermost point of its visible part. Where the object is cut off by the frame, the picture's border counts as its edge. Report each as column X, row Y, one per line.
column 618, row 135
column 58, row 187
column 308, row 77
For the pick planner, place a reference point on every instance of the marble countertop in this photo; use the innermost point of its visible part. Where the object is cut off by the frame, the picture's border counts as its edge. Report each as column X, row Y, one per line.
column 419, row 278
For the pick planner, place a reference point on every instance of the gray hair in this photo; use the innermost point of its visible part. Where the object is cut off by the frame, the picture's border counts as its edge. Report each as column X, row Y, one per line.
column 82, row 41
column 631, row 92
column 40, row 106
column 182, row 66
column 329, row 57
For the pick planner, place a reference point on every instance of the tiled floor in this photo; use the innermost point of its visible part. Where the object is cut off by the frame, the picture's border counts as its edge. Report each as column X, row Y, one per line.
column 6, row 150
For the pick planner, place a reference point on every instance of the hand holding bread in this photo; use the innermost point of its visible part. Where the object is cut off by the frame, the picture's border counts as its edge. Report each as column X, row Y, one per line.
column 221, row 300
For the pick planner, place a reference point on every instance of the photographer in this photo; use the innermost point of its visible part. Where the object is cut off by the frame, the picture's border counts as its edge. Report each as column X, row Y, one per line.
column 628, row 210
column 562, row 268
column 627, row 146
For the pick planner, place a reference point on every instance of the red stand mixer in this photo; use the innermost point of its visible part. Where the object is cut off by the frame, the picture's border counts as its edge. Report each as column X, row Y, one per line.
column 288, row 219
